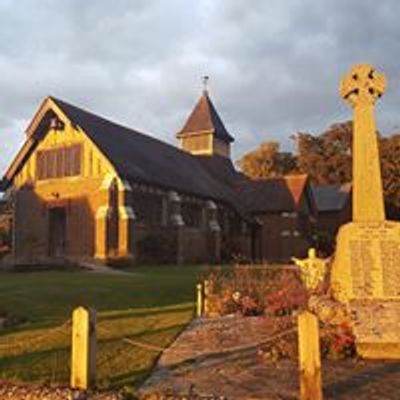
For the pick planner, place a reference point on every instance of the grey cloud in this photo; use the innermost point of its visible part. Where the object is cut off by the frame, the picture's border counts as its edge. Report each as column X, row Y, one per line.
column 275, row 66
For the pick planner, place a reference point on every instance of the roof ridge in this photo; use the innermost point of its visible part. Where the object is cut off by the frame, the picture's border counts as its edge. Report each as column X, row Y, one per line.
column 126, row 128
column 93, row 114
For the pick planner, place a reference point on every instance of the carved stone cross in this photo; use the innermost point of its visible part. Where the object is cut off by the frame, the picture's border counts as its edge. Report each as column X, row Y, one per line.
column 361, row 87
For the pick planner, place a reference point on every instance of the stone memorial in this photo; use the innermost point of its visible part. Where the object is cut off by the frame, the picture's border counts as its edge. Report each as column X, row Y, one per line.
column 366, row 268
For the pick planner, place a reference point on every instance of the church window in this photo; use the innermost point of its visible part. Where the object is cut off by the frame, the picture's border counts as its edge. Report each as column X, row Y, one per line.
column 58, row 163
column 90, row 163
column 148, row 208
column 192, row 214
column 235, row 224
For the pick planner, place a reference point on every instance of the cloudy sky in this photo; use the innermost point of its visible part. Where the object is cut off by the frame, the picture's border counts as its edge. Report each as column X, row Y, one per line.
column 274, row 66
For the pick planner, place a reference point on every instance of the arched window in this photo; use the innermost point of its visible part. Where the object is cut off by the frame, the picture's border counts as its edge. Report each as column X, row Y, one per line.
column 148, row 207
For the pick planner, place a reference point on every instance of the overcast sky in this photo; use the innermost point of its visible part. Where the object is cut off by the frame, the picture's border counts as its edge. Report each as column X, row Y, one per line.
column 274, row 66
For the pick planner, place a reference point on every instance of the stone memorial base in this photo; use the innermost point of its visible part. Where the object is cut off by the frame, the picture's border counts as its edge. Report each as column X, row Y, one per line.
column 379, row 351
column 376, row 326
column 366, row 277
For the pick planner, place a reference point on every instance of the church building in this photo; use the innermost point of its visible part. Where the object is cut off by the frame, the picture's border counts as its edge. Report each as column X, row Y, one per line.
column 85, row 188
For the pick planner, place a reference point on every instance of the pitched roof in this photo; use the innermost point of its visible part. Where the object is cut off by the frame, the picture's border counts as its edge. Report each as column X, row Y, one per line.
column 135, row 156
column 205, row 118
column 222, row 169
column 331, row 197
column 274, row 194
column 257, row 196
column 140, row 157
column 296, row 185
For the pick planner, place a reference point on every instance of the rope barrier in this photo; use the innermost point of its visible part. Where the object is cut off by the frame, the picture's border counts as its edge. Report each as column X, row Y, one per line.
column 37, row 339
column 262, row 342
column 54, row 362
column 155, row 348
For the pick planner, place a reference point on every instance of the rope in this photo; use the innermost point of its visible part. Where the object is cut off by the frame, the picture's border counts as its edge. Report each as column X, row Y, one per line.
column 279, row 335
column 143, row 345
column 151, row 347
column 267, row 340
column 133, row 342
column 37, row 339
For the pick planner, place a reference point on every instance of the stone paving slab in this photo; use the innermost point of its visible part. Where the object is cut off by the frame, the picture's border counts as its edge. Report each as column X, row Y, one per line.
column 201, row 360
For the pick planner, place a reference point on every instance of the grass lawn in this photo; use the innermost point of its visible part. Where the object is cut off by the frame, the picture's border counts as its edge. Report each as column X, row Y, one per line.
column 148, row 304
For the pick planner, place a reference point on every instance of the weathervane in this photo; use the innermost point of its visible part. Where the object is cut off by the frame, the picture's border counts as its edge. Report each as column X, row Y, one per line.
column 205, row 80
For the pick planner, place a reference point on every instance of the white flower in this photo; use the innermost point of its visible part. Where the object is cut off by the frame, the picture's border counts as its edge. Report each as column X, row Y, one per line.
column 236, row 296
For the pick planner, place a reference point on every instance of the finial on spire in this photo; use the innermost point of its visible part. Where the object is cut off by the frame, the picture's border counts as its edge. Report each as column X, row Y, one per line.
column 205, row 80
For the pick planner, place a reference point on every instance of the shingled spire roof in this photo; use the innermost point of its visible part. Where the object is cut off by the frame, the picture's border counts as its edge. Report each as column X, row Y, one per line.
column 204, row 118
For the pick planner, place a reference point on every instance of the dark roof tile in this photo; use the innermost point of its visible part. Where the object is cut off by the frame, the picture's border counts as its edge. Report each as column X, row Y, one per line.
column 142, row 158
column 331, row 197
column 203, row 118
column 272, row 195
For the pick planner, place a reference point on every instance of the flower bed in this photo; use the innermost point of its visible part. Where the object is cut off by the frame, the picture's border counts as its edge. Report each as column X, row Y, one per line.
column 275, row 293
column 255, row 291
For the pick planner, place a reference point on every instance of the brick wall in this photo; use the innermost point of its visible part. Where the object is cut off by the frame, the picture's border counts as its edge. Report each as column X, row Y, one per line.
column 80, row 201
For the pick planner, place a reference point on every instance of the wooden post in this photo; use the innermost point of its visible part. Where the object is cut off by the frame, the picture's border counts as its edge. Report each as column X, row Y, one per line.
column 199, row 300
column 309, row 357
column 83, row 357
column 206, row 291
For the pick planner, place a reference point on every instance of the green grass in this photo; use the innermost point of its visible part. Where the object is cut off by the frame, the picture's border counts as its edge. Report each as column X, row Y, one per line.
column 150, row 305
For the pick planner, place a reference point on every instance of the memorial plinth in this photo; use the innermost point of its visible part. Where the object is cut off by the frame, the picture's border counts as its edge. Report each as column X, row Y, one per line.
column 366, row 268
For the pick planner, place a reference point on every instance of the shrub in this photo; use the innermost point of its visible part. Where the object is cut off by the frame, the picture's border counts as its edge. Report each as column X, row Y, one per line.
column 254, row 291
column 157, row 248
column 289, row 296
column 337, row 342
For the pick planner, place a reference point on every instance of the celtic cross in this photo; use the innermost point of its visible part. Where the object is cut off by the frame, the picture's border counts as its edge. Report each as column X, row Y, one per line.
column 361, row 87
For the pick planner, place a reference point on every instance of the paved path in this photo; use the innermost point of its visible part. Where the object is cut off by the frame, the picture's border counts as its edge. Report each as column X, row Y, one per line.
column 202, row 360
column 103, row 269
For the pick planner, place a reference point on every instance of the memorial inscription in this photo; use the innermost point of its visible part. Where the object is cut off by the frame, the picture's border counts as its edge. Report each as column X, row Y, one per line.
column 373, row 259
column 390, row 251
column 361, row 261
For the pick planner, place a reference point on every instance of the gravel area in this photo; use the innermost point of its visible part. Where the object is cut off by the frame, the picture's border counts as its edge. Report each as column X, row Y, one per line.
column 11, row 391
